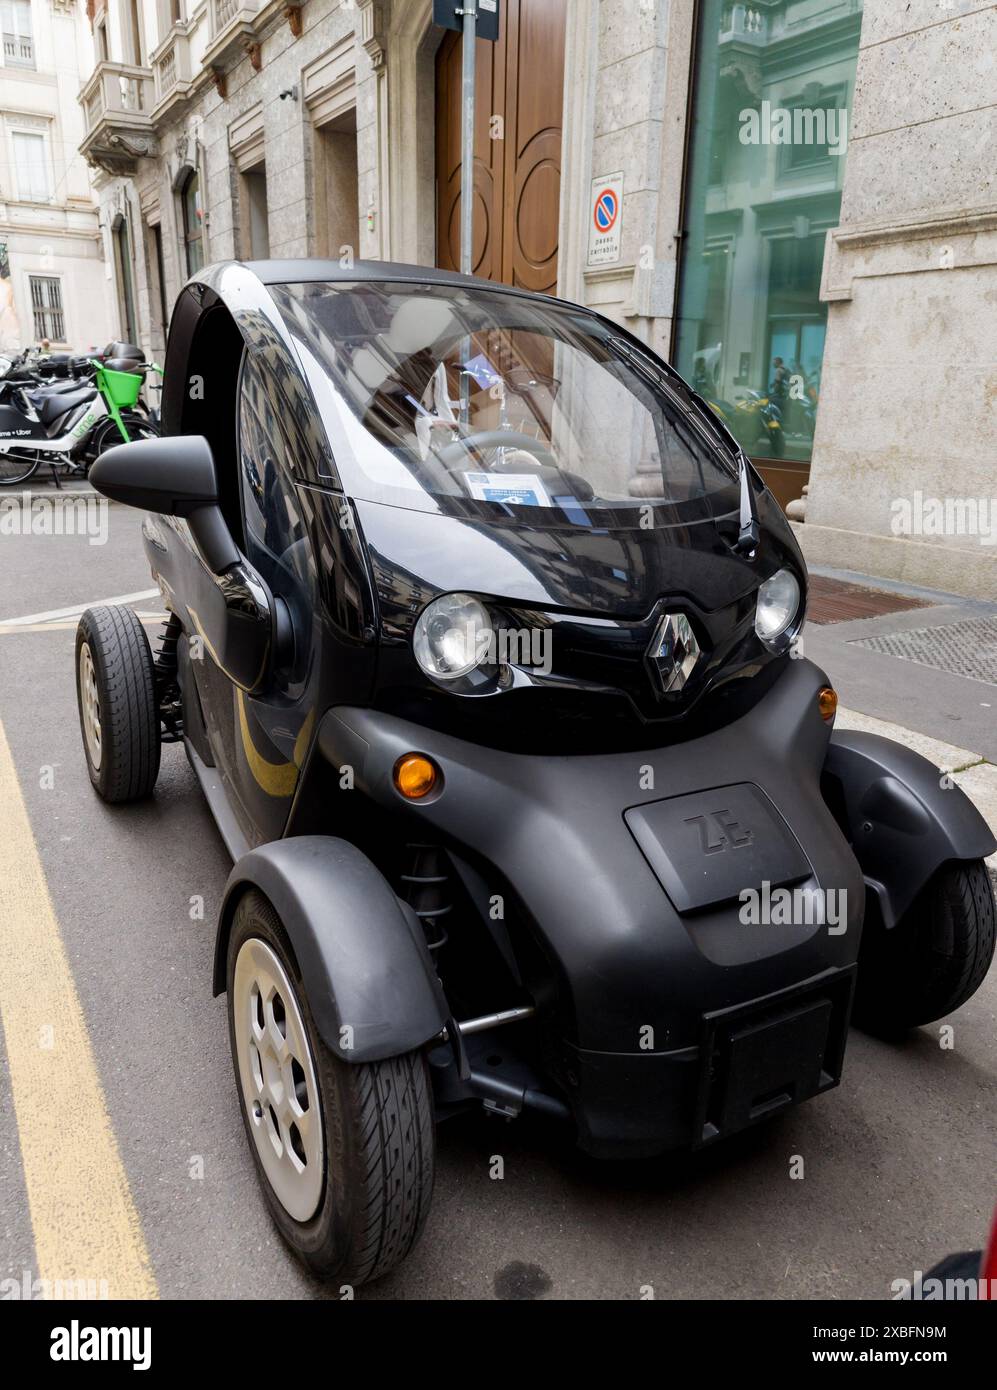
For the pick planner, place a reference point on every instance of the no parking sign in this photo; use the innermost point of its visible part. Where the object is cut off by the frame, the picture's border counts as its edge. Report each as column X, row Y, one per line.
column 606, row 220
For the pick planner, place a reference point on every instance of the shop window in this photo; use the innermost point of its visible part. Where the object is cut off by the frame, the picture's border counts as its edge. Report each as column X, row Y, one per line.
column 771, row 101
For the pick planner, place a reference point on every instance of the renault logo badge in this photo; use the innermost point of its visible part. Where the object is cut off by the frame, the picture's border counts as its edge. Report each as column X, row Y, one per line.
column 673, row 652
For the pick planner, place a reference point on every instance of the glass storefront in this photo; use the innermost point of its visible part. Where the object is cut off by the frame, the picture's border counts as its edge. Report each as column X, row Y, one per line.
column 772, row 98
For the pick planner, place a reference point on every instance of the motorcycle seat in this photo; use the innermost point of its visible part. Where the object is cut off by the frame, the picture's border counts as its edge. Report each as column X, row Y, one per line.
column 55, row 388
column 120, row 349
column 56, row 403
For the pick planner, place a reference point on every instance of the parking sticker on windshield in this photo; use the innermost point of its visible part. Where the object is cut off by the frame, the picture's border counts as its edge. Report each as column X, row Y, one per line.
column 483, row 372
column 518, row 489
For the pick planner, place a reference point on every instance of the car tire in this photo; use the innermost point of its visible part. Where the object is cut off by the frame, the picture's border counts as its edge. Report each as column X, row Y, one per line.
column 934, row 958
column 116, row 696
column 364, row 1205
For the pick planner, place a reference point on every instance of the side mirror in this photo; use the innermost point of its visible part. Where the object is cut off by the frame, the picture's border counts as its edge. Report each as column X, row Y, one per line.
column 175, row 476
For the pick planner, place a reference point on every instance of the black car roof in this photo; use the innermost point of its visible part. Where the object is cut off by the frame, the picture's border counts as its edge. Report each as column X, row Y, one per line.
column 296, row 272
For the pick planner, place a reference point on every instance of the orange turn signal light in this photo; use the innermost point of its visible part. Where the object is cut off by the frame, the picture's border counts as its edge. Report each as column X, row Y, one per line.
column 827, row 702
column 415, row 776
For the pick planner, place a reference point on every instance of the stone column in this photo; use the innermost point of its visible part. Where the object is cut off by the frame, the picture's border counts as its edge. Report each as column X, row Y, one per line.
column 908, row 406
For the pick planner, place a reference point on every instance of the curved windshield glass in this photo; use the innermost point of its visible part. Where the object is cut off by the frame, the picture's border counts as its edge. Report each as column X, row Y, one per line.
column 484, row 403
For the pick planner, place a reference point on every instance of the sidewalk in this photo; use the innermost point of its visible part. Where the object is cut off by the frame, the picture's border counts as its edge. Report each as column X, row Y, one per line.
column 924, row 660
column 914, row 665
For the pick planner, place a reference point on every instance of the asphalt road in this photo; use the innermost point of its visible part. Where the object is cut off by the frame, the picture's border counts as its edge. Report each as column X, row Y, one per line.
column 898, row 1162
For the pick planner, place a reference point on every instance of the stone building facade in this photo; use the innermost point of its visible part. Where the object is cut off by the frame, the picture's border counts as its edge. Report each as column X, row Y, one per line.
column 52, row 272
column 904, row 478
column 326, row 127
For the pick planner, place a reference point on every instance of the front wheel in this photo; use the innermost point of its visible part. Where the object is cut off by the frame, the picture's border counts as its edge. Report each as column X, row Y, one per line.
column 344, row 1151
column 116, row 693
column 107, row 434
column 934, row 958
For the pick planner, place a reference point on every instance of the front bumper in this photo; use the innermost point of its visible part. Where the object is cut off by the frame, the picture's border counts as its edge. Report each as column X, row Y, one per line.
column 753, row 1062
column 647, row 985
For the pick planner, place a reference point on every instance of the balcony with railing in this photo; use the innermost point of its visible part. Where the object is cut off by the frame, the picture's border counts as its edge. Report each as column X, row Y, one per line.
column 117, row 100
column 744, row 24
column 173, row 73
column 18, row 50
column 231, row 25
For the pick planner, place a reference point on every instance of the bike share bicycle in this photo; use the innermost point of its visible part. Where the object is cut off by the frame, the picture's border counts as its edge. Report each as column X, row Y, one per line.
column 70, row 422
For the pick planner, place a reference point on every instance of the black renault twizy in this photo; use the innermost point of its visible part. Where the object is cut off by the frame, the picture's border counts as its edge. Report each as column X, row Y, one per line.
column 484, row 643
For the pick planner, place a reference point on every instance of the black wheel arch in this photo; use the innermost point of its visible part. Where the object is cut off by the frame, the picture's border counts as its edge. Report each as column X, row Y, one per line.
column 360, row 951
column 903, row 817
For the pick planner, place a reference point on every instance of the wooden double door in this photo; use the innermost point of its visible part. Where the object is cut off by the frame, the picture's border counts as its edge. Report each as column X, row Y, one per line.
column 517, row 147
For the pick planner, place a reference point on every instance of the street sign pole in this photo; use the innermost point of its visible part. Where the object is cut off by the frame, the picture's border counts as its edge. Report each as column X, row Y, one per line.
column 475, row 19
column 467, row 140
column 467, row 180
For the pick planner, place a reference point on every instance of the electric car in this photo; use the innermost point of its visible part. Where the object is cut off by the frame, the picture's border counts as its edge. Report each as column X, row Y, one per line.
column 484, row 643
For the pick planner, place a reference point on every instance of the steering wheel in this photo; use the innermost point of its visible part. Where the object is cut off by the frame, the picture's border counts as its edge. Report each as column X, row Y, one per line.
column 456, row 453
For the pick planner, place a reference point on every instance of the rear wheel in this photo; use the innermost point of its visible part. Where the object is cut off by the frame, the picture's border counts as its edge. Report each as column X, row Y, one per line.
column 116, row 693
column 18, row 468
column 936, row 956
column 344, row 1150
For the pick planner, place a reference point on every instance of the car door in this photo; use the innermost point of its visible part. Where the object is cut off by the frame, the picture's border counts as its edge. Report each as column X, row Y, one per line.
column 264, row 747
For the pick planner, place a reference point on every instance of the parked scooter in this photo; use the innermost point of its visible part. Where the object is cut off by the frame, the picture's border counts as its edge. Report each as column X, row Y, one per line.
column 757, row 409
column 73, row 420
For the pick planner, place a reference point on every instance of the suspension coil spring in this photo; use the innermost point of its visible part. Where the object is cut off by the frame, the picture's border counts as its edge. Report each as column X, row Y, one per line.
column 166, row 656
column 167, row 688
column 427, row 890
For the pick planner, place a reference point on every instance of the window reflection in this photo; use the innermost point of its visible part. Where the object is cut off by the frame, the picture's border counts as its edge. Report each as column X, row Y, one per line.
column 486, row 399
column 771, row 106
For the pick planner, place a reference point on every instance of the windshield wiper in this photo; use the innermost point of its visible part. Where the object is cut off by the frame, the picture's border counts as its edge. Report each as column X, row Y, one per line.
column 749, row 534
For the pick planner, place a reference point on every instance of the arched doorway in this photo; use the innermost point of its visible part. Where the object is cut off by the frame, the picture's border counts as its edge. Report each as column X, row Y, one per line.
column 517, row 176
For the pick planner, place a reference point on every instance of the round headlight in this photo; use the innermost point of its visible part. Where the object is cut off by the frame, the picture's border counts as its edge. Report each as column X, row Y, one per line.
column 777, row 606
column 453, row 636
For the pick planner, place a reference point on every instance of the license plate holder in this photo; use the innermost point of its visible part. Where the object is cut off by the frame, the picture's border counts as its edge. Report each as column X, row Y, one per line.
column 707, row 846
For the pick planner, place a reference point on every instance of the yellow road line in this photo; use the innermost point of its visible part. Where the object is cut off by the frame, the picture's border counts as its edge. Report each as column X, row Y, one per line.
column 85, row 1223
column 10, row 630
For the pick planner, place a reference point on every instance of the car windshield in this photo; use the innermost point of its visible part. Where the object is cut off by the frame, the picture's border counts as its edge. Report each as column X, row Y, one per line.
column 468, row 400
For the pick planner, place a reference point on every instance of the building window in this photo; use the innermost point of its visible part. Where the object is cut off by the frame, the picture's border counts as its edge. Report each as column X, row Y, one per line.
column 193, row 217
column 126, row 290
column 160, row 269
column 46, row 306
column 18, row 40
column 771, row 99
column 103, row 52
column 31, row 166
column 134, row 33
column 255, row 226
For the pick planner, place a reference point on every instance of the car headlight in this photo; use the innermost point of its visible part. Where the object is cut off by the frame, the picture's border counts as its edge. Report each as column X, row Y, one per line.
column 777, row 609
column 453, row 637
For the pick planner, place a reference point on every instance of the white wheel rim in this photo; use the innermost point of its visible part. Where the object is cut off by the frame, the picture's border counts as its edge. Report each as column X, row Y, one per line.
column 277, row 1079
column 90, row 706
